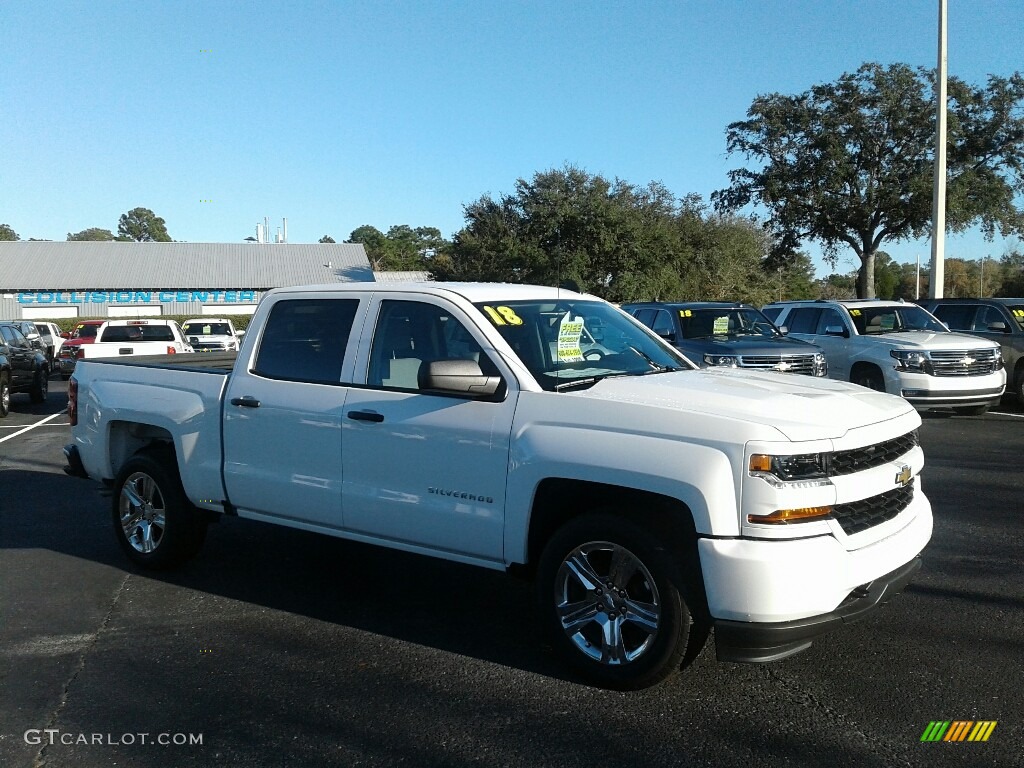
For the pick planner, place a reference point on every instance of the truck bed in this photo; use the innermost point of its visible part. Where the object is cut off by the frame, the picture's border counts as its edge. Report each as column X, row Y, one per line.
column 202, row 362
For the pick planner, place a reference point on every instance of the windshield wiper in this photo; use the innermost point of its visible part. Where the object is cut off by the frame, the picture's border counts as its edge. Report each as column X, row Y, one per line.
column 650, row 361
column 587, row 382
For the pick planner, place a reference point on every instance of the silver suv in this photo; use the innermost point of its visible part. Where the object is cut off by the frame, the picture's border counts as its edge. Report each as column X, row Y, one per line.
column 900, row 349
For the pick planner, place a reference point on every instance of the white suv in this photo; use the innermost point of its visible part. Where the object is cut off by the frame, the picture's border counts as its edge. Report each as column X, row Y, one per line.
column 212, row 334
column 898, row 348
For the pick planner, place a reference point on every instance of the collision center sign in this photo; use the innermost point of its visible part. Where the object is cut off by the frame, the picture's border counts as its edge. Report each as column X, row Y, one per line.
column 136, row 297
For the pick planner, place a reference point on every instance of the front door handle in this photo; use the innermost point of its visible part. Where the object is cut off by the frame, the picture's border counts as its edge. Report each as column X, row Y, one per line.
column 366, row 416
column 246, row 402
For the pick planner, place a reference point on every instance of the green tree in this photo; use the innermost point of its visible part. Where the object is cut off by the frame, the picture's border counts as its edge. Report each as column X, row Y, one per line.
column 326, row 239
column 142, row 226
column 1012, row 263
column 7, row 233
column 850, row 163
column 372, row 240
column 93, row 233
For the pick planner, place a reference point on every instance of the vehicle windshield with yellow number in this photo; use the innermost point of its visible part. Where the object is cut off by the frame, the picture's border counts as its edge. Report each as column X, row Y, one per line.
column 575, row 344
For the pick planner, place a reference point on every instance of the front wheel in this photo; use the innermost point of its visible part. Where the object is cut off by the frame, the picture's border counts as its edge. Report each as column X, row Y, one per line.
column 154, row 521
column 972, row 410
column 40, row 386
column 869, row 377
column 615, row 602
column 5, row 396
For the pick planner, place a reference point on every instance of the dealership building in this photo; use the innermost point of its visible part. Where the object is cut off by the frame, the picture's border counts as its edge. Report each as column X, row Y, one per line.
column 42, row 280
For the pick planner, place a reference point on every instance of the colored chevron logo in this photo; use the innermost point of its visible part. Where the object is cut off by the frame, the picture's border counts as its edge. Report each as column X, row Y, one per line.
column 959, row 730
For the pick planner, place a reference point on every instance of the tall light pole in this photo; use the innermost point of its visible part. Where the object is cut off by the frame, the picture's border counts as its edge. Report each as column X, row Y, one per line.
column 938, row 272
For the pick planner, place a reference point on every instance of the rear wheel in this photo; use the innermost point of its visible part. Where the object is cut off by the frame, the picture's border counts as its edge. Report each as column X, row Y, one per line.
column 154, row 521
column 616, row 602
column 5, row 395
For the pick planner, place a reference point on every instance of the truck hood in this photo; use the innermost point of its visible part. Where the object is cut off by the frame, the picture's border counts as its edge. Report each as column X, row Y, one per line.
column 800, row 407
column 746, row 345
column 931, row 340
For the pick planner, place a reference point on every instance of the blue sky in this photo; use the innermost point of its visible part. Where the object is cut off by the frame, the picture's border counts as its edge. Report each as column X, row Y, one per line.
column 339, row 114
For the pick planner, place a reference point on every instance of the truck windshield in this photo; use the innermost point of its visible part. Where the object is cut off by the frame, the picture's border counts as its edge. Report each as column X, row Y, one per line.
column 565, row 344
column 739, row 321
column 207, row 329
column 909, row 317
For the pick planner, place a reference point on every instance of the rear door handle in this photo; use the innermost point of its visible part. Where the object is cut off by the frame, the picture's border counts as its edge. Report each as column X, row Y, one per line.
column 366, row 416
column 246, row 402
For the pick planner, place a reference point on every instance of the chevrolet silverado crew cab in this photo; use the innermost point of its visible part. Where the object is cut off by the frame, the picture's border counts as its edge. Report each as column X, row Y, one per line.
column 898, row 348
column 650, row 500
column 730, row 335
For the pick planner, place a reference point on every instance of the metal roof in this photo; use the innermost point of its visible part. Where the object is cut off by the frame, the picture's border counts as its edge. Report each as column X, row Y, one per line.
column 74, row 266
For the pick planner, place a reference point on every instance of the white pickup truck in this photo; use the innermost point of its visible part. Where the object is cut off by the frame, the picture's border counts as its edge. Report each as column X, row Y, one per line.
column 534, row 430
column 118, row 338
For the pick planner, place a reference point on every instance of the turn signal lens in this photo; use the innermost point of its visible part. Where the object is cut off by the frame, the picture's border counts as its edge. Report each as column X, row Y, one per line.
column 785, row 516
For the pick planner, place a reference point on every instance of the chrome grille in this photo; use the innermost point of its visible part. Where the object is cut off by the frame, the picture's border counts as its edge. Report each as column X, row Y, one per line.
column 859, row 459
column 858, row 516
column 785, row 363
column 964, row 362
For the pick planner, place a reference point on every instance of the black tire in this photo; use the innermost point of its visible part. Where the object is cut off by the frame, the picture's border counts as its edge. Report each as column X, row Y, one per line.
column 649, row 602
column 971, row 410
column 868, row 376
column 40, row 386
column 5, row 395
column 155, row 524
column 1018, row 384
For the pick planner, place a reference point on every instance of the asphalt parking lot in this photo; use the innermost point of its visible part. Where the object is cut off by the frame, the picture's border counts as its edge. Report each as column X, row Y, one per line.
column 280, row 648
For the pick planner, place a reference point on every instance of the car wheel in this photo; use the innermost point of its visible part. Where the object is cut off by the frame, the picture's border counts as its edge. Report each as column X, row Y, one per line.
column 615, row 602
column 154, row 521
column 5, row 396
column 870, row 377
column 1018, row 384
column 972, row 410
column 40, row 386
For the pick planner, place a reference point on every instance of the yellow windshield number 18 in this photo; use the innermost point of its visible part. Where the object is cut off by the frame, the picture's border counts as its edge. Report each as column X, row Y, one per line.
column 503, row 316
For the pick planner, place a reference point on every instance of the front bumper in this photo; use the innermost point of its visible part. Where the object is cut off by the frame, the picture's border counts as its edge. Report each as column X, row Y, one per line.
column 745, row 642
column 924, row 391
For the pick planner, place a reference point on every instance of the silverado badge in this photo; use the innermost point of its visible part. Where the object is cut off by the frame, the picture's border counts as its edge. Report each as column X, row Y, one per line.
column 903, row 476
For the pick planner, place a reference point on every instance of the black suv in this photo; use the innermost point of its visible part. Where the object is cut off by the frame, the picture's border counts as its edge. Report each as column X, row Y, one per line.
column 714, row 333
column 1001, row 320
column 23, row 368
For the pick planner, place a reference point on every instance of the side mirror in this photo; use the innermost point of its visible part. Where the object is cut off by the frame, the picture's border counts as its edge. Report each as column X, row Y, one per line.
column 784, row 330
column 998, row 327
column 836, row 330
column 239, row 333
column 667, row 335
column 458, row 376
column 65, row 335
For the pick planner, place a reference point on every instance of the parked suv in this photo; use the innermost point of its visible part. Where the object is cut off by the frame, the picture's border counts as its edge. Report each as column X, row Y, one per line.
column 729, row 335
column 23, row 367
column 1001, row 320
column 899, row 348
column 211, row 334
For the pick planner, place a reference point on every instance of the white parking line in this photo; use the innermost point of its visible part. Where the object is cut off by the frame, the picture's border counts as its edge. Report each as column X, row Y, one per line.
column 33, row 426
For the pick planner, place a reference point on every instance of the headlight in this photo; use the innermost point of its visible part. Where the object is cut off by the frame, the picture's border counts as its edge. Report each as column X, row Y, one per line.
column 910, row 360
column 820, row 365
column 801, row 467
column 728, row 361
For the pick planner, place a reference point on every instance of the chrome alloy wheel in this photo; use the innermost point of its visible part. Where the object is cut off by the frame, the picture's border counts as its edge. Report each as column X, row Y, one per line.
column 607, row 602
column 143, row 512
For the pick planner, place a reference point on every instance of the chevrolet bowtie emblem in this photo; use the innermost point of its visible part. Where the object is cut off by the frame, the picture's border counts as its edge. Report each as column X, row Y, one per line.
column 968, row 361
column 783, row 366
column 904, row 476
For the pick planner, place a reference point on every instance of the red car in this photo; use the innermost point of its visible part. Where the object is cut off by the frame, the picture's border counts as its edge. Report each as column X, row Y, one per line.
column 84, row 333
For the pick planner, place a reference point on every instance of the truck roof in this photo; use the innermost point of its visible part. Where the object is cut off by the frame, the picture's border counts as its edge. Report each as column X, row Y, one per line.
column 473, row 292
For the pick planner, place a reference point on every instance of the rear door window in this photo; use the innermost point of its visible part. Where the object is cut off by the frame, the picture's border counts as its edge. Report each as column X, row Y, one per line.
column 803, row 319
column 959, row 317
column 306, row 339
